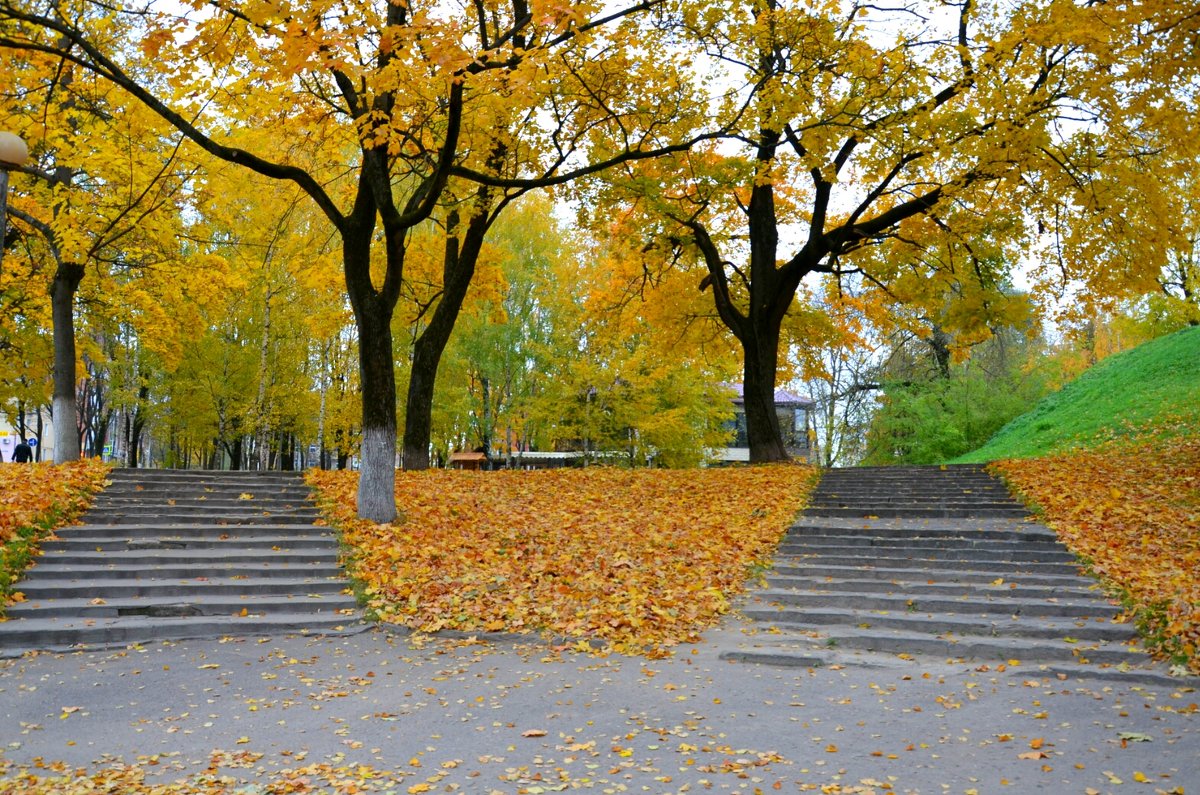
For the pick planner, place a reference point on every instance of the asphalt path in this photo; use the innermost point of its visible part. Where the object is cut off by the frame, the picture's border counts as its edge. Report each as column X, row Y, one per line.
column 508, row 716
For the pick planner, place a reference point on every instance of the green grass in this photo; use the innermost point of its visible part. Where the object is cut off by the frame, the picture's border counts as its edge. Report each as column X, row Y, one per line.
column 1126, row 394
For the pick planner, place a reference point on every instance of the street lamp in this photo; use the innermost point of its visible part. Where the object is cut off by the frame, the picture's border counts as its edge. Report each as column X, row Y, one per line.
column 13, row 152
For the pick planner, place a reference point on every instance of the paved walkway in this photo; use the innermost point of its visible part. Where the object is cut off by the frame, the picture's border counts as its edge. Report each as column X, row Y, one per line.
column 512, row 718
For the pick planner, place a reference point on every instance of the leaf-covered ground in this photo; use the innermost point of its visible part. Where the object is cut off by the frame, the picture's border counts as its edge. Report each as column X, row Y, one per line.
column 643, row 559
column 35, row 498
column 1131, row 508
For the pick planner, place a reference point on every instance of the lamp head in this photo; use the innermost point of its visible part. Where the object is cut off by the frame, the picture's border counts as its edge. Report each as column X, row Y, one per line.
column 13, row 151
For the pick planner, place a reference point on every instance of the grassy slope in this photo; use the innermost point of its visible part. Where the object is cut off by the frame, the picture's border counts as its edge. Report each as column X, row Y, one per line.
column 1130, row 390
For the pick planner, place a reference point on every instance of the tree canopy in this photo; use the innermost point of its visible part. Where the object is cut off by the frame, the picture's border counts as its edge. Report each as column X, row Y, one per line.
column 292, row 209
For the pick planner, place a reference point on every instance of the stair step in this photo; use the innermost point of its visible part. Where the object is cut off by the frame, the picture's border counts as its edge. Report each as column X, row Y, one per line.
column 174, row 607
column 932, row 512
column 1016, row 554
column 193, row 530
column 123, row 570
column 293, row 543
column 1067, row 630
column 830, row 585
column 1009, row 604
column 949, row 561
column 849, row 541
column 37, row 591
column 181, row 554
column 209, row 502
column 777, row 649
column 928, row 561
column 897, row 574
column 170, row 517
column 17, row 637
column 801, row 531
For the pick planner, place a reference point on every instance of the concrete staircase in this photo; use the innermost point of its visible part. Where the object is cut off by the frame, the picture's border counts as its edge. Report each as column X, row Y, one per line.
column 173, row 554
column 929, row 561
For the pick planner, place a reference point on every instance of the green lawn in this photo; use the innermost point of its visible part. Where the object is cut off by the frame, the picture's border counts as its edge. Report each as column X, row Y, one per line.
column 1155, row 384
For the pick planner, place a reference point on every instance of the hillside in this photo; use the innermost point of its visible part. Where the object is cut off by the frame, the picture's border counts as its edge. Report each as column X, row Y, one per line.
column 1135, row 389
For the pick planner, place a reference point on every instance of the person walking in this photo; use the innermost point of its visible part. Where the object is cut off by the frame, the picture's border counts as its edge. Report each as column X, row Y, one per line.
column 22, row 453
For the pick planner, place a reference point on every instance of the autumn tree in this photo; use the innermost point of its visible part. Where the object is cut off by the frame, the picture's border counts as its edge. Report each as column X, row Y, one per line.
column 104, row 182
column 614, row 393
column 560, row 348
column 504, row 348
column 849, row 123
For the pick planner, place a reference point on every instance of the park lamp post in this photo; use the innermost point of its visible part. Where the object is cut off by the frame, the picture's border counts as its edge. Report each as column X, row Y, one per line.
column 13, row 153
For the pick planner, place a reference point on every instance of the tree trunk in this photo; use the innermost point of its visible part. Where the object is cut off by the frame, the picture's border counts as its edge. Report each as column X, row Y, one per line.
column 377, row 480
column 66, row 414
column 485, row 385
column 373, row 311
column 287, row 453
column 133, row 439
column 37, row 454
column 761, row 351
column 939, row 345
column 260, row 403
column 458, row 267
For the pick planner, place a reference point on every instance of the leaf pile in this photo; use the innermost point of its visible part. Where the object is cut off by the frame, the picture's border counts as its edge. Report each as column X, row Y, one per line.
column 644, row 559
column 1131, row 508
column 34, row 499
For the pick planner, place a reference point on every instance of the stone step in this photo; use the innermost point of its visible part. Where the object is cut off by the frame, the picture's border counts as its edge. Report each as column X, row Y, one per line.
column 79, row 543
column 796, row 648
column 37, row 591
column 208, row 529
column 860, row 476
column 1010, row 604
column 918, row 542
column 949, row 558
column 1055, row 575
column 148, row 479
column 951, row 590
column 193, row 475
column 196, row 605
column 61, row 634
column 884, row 469
column 50, row 573
column 899, row 496
column 198, row 558
column 209, row 501
column 170, row 515
column 964, row 512
column 203, row 513
column 1064, row 629
column 980, row 484
column 906, row 501
column 806, row 530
